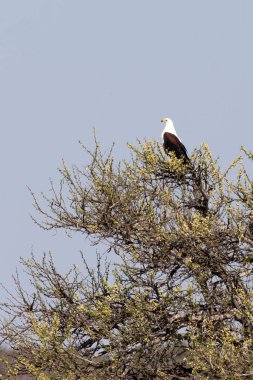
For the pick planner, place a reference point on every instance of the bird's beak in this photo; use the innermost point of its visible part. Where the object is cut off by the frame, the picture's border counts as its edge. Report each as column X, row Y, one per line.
column 162, row 121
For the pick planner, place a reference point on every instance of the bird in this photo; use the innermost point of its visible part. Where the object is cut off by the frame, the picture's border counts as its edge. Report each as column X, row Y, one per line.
column 171, row 141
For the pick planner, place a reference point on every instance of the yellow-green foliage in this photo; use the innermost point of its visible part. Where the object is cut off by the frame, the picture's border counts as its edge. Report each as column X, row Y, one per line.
column 179, row 301
column 220, row 354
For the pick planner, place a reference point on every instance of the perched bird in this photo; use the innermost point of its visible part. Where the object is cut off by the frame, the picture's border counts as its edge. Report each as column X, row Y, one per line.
column 171, row 141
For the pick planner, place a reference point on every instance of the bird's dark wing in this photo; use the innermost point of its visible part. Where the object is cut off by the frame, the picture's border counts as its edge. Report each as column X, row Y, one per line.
column 173, row 144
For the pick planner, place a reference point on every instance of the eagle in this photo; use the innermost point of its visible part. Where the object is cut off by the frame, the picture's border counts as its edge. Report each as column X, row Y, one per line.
column 171, row 141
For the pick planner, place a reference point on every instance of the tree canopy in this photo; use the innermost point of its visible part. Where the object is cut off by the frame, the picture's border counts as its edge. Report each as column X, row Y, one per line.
column 179, row 303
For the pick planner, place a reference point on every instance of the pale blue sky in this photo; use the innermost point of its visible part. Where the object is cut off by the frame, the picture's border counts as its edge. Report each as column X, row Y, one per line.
column 67, row 67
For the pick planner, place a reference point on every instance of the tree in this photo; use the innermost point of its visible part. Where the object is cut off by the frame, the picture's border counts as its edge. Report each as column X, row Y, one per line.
column 179, row 304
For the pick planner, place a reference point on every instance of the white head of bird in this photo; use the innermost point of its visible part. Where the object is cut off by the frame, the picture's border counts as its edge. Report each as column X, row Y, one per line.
column 169, row 126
